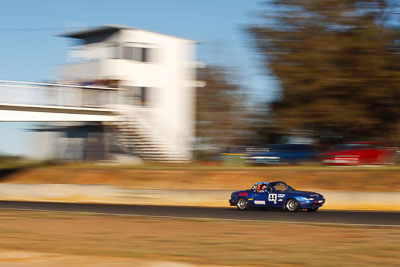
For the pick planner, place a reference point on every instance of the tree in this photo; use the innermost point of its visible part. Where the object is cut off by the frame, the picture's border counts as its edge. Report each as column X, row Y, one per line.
column 221, row 109
column 338, row 62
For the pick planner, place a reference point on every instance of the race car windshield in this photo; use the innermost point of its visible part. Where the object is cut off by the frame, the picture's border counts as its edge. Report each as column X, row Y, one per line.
column 280, row 187
column 342, row 147
column 289, row 188
column 289, row 148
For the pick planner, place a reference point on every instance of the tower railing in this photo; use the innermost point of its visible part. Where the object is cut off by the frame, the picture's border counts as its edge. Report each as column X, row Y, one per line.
column 60, row 95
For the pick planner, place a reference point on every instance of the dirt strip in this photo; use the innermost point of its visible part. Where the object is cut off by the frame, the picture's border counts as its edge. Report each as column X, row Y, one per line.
column 342, row 200
column 361, row 179
column 69, row 239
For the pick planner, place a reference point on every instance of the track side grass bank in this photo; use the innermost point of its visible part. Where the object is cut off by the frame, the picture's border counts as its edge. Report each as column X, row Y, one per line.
column 369, row 179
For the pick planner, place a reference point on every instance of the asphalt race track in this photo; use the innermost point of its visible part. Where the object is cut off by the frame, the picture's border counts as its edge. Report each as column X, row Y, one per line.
column 375, row 218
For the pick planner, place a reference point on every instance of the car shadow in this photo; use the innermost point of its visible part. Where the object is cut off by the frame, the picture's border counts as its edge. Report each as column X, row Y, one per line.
column 259, row 209
column 6, row 173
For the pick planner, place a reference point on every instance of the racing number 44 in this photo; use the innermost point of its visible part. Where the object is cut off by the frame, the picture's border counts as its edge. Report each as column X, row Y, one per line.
column 272, row 197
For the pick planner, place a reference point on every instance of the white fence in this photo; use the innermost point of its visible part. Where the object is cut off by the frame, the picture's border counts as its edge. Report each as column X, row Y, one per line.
column 47, row 94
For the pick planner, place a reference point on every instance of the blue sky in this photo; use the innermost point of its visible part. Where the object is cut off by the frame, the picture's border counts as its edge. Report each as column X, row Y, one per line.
column 30, row 55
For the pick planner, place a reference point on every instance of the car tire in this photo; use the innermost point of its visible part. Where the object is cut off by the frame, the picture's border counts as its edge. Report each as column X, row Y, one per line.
column 312, row 210
column 243, row 204
column 292, row 205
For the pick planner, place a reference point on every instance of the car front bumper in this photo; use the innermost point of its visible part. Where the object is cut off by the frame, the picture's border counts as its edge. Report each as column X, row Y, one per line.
column 341, row 161
column 310, row 204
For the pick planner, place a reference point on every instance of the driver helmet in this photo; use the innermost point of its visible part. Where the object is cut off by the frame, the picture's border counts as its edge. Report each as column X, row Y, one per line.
column 258, row 186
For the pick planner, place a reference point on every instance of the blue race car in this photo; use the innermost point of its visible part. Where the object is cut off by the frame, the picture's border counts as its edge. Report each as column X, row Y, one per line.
column 283, row 154
column 276, row 195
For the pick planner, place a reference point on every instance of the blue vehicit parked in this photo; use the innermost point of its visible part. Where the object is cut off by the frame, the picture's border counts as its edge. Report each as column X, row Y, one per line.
column 284, row 153
column 276, row 195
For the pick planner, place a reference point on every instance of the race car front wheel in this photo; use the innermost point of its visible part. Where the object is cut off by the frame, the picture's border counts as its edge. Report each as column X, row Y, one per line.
column 292, row 205
column 243, row 204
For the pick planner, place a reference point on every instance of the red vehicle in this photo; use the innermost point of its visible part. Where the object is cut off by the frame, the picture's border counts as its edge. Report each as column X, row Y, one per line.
column 357, row 153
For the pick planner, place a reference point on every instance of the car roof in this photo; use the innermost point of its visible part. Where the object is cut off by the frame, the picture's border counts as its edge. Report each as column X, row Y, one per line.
column 275, row 182
column 362, row 143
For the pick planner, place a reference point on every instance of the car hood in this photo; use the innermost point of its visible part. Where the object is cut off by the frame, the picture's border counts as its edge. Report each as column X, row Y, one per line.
column 306, row 193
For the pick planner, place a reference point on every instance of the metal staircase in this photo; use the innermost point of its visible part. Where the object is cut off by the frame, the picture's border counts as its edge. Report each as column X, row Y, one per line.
column 136, row 135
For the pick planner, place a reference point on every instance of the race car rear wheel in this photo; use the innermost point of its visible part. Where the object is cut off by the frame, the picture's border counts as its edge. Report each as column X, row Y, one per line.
column 243, row 204
column 292, row 205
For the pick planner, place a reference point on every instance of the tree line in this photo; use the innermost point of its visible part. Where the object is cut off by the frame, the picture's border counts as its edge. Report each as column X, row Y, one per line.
column 338, row 64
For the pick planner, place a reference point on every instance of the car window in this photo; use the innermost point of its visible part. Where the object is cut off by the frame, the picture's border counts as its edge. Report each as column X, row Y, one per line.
column 290, row 148
column 365, row 147
column 352, row 147
column 280, row 187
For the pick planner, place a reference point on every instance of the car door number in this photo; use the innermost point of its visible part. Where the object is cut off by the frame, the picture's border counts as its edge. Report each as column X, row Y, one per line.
column 272, row 197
